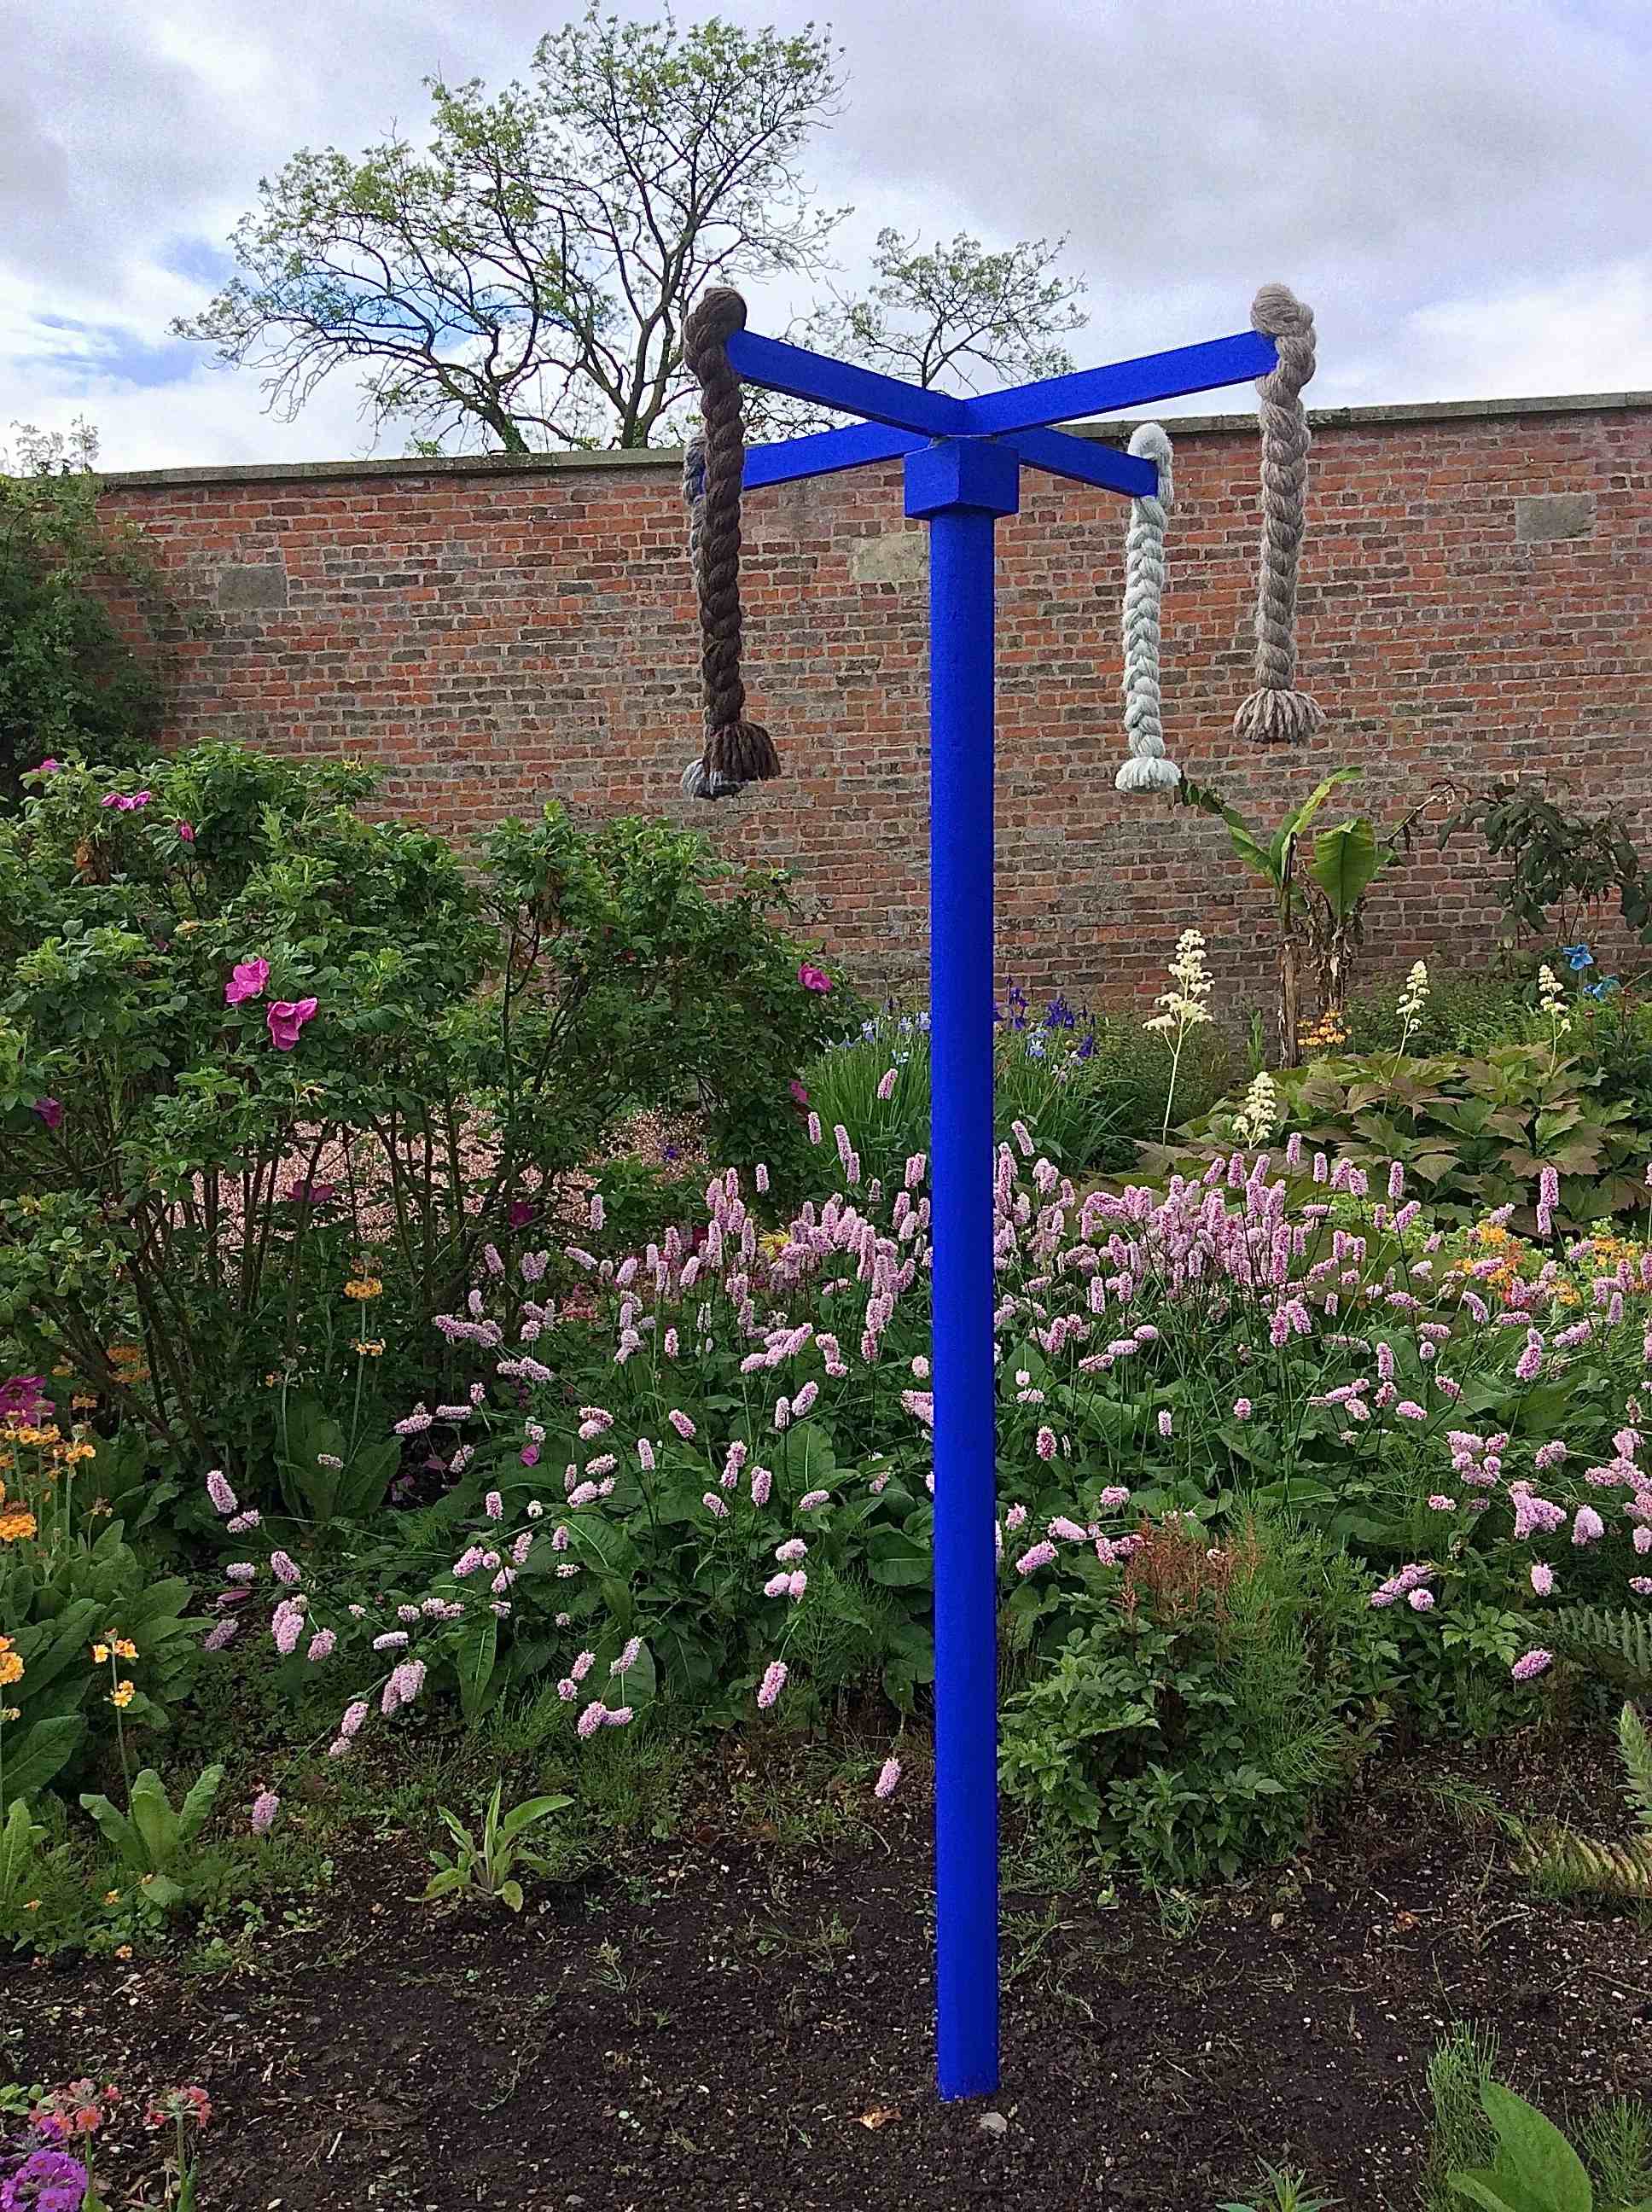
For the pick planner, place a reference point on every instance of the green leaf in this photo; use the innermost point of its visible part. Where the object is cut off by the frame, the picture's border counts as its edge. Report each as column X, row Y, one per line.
column 1479, row 2185
column 444, row 1884
column 477, row 1658
column 510, row 1893
column 530, row 1810
column 41, row 1752
column 1533, row 2151
column 1345, row 862
column 198, row 1803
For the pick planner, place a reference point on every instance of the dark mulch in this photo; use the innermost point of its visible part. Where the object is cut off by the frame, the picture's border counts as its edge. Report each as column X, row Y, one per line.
column 719, row 2023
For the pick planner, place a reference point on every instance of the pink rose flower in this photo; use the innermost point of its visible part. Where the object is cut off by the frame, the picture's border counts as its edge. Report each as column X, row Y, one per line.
column 813, row 978
column 246, row 981
column 186, row 832
column 286, row 1017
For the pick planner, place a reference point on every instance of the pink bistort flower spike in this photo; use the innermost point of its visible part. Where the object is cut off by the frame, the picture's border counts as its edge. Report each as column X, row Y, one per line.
column 716, row 1506
column 265, row 1806
column 812, row 1500
column 1588, row 1527
column 762, row 1481
column 1040, row 1555
column 1542, row 1579
column 887, row 1776
column 590, row 1720
column 682, row 1424
column 796, row 1583
column 218, row 1490
column 773, row 1683
column 1531, row 1663
column 1045, row 1444
column 627, row 1658
column 284, row 1568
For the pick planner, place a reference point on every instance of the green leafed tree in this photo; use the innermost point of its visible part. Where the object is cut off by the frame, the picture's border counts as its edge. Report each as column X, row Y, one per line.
column 957, row 315
column 519, row 280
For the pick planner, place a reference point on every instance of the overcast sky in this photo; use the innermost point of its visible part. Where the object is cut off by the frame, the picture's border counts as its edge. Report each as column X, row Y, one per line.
column 1460, row 187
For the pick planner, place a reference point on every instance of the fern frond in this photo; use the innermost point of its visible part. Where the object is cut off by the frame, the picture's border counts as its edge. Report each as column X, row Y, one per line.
column 1617, row 1644
column 1566, row 1863
column 1636, row 1747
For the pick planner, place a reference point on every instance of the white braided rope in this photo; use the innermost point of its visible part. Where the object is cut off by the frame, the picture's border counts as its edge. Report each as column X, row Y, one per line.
column 1147, row 769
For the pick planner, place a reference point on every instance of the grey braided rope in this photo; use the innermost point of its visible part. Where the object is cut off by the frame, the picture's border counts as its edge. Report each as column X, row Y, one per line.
column 698, row 781
column 1276, row 712
column 1147, row 769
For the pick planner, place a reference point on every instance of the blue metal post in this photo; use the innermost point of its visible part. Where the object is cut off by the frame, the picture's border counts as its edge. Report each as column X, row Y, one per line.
column 961, row 485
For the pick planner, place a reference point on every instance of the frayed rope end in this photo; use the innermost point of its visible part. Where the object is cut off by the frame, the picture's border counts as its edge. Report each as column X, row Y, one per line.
column 741, row 752
column 1145, row 773
column 697, row 782
column 1278, row 718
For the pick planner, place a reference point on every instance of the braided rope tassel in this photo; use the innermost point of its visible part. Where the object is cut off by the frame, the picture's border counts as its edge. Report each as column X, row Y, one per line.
column 1276, row 712
column 1147, row 769
column 737, row 751
column 696, row 782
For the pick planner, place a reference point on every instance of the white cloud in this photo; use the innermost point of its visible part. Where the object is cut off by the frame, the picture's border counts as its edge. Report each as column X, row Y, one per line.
column 1458, row 186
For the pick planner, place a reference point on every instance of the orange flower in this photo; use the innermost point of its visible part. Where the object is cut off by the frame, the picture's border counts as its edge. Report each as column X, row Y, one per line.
column 16, row 1523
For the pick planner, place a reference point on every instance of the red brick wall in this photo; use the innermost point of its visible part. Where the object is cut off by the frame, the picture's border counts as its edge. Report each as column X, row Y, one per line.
column 496, row 636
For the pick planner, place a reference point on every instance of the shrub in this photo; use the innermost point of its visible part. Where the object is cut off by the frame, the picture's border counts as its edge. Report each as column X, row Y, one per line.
column 263, row 1063
column 70, row 683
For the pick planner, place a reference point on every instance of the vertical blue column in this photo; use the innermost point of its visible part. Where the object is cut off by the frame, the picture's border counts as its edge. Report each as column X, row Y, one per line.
column 961, row 486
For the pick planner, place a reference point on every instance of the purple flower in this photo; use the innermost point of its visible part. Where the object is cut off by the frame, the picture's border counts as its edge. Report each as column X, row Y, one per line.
column 50, row 1111
column 494, row 1506
column 1040, row 1555
column 715, row 1505
column 591, row 1719
column 888, row 1775
column 1242, row 1409
column 46, row 2181
column 1532, row 1662
column 186, row 832
column 1165, row 1424
column 1588, row 1527
column 224, row 1497
column 284, row 1568
column 265, row 1806
column 813, row 978
column 1045, row 1444
column 1421, row 1601
column 682, row 1424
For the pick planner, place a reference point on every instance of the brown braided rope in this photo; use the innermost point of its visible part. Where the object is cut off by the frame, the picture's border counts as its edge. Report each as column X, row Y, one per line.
column 1276, row 712
column 737, row 751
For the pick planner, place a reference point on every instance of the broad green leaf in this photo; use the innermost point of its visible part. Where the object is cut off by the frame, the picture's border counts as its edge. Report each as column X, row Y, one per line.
column 1534, row 2152
column 41, row 1752
column 1345, row 860
column 198, row 1803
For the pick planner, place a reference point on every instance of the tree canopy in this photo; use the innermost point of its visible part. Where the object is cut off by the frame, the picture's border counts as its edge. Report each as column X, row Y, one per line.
column 519, row 279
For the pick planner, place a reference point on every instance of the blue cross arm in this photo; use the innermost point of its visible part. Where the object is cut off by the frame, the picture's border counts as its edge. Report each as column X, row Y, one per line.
column 839, row 384
column 1085, row 462
column 825, row 451
column 1139, row 383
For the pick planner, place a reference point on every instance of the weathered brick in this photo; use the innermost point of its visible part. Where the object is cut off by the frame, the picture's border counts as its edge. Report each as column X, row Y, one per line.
column 1476, row 601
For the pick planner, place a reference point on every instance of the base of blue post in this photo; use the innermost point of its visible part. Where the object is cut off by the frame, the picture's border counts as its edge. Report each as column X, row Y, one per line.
column 962, row 486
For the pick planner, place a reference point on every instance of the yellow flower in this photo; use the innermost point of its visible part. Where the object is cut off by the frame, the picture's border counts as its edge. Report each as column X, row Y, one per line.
column 33, row 1905
column 70, row 1454
column 122, row 1695
column 123, row 1950
column 374, row 1350
column 83, row 1401
column 11, row 1712
column 63, row 1370
column 99, row 1655
column 16, row 1524
column 363, row 1287
column 111, row 1897
column 11, row 1668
